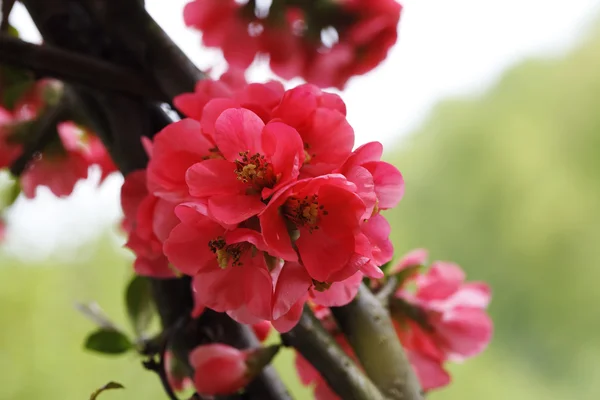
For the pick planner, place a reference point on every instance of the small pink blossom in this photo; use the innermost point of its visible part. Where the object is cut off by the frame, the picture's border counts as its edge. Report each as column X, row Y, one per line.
column 219, row 369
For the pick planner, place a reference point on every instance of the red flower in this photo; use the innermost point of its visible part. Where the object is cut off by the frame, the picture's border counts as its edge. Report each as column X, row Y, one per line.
column 291, row 292
column 57, row 169
column 425, row 356
column 63, row 163
column 361, row 45
column 362, row 33
column 174, row 150
column 228, row 265
column 364, row 166
column 192, row 104
column 78, row 139
column 455, row 310
column 258, row 160
column 446, row 318
column 148, row 221
column 320, row 119
column 223, row 24
column 326, row 213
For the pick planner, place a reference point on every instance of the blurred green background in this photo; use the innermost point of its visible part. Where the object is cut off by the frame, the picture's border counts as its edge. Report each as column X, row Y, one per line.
column 507, row 184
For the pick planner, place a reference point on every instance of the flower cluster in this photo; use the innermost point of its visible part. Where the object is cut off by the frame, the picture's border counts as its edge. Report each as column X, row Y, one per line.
column 64, row 161
column 260, row 198
column 442, row 319
column 325, row 42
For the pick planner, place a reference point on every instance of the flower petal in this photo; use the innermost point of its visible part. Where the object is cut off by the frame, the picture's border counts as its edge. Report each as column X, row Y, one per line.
column 238, row 130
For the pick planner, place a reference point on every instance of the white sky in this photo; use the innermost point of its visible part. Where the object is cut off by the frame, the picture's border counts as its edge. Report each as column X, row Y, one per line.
column 445, row 48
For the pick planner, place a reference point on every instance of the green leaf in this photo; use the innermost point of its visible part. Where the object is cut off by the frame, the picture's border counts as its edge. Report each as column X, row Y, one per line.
column 16, row 90
column 108, row 341
column 140, row 306
column 108, row 386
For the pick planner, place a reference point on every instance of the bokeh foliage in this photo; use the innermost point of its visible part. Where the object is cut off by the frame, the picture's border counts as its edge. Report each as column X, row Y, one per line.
column 507, row 184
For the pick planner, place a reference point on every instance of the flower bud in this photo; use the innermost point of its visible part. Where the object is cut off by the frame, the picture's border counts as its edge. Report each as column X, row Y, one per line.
column 221, row 369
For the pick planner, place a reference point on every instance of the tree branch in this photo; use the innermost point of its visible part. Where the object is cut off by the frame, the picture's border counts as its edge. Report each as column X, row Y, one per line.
column 49, row 61
column 369, row 329
column 151, row 47
column 388, row 289
column 320, row 349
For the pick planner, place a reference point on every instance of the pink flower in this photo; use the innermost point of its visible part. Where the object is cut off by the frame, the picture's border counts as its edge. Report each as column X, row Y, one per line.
column 362, row 33
column 224, row 24
column 364, row 167
column 56, row 169
column 220, row 369
column 325, row 213
column 258, row 160
column 455, row 310
column 66, row 161
column 361, row 45
column 174, row 150
column 77, row 139
column 192, row 104
column 445, row 319
column 228, row 265
column 425, row 356
column 211, row 98
column 148, row 221
column 320, row 119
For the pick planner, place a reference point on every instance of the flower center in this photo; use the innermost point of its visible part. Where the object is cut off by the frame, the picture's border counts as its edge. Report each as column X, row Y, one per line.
column 227, row 252
column 255, row 170
column 304, row 211
column 307, row 155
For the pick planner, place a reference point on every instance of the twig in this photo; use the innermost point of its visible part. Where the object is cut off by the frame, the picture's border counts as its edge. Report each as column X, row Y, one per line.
column 320, row 349
column 383, row 295
column 369, row 330
column 72, row 67
column 159, row 367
